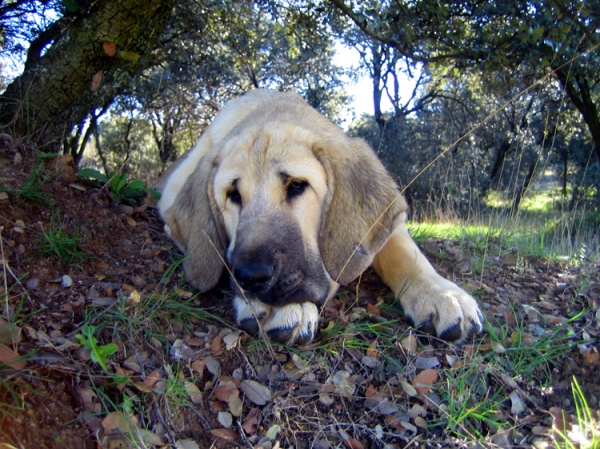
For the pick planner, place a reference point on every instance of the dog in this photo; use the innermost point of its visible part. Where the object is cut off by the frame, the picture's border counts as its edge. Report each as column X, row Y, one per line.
column 293, row 208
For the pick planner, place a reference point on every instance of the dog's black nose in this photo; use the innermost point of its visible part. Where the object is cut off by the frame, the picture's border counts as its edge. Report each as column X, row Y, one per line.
column 253, row 276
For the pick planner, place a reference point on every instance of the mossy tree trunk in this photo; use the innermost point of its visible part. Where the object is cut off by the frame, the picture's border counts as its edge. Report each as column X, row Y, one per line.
column 58, row 89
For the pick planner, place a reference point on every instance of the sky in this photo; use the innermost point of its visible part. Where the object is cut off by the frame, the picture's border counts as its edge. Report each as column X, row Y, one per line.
column 362, row 89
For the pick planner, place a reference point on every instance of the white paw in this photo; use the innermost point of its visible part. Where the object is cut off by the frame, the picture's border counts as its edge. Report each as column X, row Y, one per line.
column 437, row 306
column 294, row 324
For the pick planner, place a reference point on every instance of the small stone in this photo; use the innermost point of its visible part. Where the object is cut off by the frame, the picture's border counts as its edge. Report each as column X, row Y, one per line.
column 66, row 281
column 33, row 283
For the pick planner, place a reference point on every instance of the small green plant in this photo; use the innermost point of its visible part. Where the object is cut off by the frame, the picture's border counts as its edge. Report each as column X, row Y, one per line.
column 585, row 433
column 149, row 317
column 65, row 244
column 469, row 402
column 99, row 354
column 528, row 356
column 122, row 190
column 32, row 189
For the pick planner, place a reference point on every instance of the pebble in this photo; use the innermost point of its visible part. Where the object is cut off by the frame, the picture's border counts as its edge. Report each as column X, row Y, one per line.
column 66, row 281
column 33, row 283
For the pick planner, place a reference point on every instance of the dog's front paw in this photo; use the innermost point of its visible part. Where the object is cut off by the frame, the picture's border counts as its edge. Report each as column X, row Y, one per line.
column 438, row 306
column 294, row 324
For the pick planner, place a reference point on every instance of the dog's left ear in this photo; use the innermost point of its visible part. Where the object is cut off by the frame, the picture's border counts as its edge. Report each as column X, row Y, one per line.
column 196, row 226
column 361, row 209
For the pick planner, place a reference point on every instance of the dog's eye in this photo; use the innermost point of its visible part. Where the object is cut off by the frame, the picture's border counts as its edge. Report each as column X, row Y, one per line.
column 234, row 196
column 296, row 188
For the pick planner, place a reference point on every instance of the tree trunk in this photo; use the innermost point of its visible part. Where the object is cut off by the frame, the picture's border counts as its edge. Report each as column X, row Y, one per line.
column 582, row 99
column 525, row 186
column 377, row 54
column 56, row 91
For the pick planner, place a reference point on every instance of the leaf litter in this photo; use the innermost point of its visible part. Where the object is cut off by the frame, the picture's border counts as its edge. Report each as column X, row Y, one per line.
column 367, row 380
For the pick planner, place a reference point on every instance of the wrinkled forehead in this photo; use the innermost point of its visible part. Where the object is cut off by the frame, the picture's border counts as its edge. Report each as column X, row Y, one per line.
column 258, row 155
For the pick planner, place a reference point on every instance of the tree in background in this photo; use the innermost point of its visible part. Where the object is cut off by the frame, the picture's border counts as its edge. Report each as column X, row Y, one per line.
column 540, row 51
column 206, row 53
column 79, row 62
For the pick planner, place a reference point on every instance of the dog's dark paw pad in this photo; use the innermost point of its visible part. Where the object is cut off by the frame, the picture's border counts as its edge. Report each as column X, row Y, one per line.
column 281, row 334
column 474, row 329
column 305, row 338
column 453, row 333
column 250, row 325
column 427, row 326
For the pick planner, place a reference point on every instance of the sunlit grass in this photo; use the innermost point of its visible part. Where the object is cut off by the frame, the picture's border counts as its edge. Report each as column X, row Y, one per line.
column 538, row 229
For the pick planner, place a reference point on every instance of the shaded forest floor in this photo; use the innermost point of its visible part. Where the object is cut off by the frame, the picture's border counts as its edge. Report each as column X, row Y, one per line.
column 177, row 372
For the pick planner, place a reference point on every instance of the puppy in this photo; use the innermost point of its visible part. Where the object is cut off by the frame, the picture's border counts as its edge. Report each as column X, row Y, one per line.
column 293, row 208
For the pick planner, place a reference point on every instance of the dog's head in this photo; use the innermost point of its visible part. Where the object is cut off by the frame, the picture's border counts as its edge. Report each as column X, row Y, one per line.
column 285, row 199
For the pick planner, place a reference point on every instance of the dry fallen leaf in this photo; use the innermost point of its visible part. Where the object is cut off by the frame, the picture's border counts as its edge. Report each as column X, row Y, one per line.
column 186, row 444
column 198, row 366
column 213, row 367
column 370, row 391
column 421, row 422
column 353, row 443
column 224, row 392
column 372, row 308
column 417, row 410
column 184, row 294
column 273, row 431
column 410, row 344
column 408, row 389
column 236, row 406
column 517, row 406
column 372, row 350
column 142, row 387
column 424, row 380
column 216, row 345
column 225, row 419
column 90, row 399
column 394, row 422
column 121, row 421
column 256, row 392
column 231, row 339
column 11, row 358
column 9, row 333
column 194, row 392
column 152, row 378
column 426, row 362
column 227, row 434
column 252, row 421
column 344, row 385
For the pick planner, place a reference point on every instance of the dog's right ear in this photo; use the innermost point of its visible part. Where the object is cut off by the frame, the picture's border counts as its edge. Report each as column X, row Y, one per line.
column 194, row 223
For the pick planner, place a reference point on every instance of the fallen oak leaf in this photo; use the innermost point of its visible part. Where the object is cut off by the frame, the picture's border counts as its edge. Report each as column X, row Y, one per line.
column 227, row 434
column 126, row 423
column 424, row 380
column 252, row 421
column 198, row 366
column 193, row 392
column 225, row 391
column 372, row 350
column 256, row 392
column 216, row 345
column 231, row 339
column 11, row 358
column 353, row 443
column 152, row 378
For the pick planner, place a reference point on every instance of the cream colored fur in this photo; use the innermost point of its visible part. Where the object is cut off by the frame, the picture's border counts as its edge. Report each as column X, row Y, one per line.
column 348, row 216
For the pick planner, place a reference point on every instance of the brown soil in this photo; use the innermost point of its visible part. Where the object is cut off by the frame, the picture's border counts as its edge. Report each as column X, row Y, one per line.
column 125, row 253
